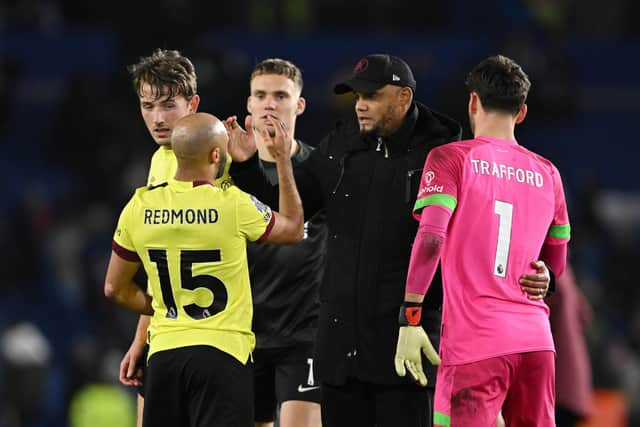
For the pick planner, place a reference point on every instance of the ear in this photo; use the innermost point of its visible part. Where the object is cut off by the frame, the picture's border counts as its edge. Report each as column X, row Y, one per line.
column 193, row 104
column 214, row 155
column 406, row 95
column 474, row 102
column 249, row 104
column 521, row 114
column 302, row 104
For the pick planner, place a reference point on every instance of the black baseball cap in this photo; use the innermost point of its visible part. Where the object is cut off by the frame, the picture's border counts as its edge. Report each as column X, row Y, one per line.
column 377, row 70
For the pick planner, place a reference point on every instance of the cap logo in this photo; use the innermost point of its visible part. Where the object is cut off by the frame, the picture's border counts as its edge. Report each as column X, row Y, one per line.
column 395, row 78
column 362, row 65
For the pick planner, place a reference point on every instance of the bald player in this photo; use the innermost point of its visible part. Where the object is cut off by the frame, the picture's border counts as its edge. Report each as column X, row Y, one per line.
column 190, row 237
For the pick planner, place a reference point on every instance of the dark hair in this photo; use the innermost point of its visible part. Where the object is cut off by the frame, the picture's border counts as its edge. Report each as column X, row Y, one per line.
column 165, row 69
column 278, row 66
column 500, row 83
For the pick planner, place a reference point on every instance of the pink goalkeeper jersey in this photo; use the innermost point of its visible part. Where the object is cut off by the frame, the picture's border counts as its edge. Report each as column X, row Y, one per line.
column 506, row 202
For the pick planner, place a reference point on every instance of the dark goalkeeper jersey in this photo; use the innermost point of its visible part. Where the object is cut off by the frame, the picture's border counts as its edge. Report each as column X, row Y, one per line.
column 285, row 279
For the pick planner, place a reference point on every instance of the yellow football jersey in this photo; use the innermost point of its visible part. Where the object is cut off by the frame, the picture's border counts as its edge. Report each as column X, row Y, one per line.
column 164, row 164
column 191, row 239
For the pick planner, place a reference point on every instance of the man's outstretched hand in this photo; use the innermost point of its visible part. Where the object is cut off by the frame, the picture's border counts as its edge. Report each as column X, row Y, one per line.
column 413, row 340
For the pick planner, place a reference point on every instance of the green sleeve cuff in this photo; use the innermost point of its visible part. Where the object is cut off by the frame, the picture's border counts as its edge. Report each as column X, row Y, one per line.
column 441, row 419
column 444, row 200
column 560, row 231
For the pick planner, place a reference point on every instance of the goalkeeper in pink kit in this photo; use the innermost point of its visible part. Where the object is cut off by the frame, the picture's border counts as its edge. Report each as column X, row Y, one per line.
column 487, row 208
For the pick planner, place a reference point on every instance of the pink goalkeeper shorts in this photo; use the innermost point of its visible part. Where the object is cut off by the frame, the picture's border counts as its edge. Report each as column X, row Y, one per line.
column 521, row 384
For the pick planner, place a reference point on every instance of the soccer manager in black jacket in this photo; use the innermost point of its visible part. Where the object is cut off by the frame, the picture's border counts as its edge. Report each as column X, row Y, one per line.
column 365, row 176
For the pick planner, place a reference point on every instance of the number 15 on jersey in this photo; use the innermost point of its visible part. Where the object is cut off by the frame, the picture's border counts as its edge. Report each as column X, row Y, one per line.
column 190, row 282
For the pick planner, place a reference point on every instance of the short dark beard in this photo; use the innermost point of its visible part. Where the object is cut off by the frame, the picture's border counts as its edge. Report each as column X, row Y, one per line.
column 372, row 132
column 375, row 131
column 378, row 128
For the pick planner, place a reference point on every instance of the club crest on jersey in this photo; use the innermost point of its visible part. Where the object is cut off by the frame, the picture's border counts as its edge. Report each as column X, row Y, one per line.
column 227, row 183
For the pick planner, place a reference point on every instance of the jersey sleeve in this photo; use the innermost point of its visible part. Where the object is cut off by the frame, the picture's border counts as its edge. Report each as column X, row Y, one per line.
column 560, row 229
column 254, row 217
column 122, row 239
column 440, row 180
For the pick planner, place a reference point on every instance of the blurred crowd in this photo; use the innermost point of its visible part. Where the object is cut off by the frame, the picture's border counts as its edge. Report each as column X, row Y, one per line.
column 74, row 147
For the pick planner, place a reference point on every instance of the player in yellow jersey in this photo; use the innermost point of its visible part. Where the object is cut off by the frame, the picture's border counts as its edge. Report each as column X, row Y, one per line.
column 191, row 236
column 166, row 85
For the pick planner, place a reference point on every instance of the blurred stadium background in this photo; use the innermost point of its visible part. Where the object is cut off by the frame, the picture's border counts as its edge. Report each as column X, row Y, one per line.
column 73, row 146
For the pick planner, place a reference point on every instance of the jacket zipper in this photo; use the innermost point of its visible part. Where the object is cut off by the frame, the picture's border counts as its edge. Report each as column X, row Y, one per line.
column 382, row 144
column 341, row 163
